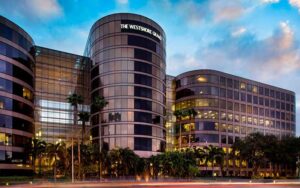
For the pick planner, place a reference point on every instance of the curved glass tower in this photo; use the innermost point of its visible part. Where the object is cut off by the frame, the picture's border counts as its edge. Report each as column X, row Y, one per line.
column 16, row 97
column 128, row 54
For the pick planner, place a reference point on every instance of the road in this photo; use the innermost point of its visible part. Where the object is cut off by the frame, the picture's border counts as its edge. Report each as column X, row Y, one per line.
column 160, row 185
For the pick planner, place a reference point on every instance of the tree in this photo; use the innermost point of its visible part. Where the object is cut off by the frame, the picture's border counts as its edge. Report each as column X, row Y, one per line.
column 124, row 161
column 214, row 155
column 179, row 114
column 84, row 117
column 74, row 100
column 54, row 152
column 37, row 150
column 191, row 113
column 98, row 104
column 251, row 149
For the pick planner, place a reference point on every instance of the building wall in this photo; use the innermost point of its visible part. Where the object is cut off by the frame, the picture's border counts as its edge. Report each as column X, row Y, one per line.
column 229, row 108
column 129, row 71
column 16, row 97
column 170, row 108
column 59, row 74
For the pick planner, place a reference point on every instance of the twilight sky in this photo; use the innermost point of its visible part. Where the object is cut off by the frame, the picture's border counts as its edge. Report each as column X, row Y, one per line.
column 256, row 39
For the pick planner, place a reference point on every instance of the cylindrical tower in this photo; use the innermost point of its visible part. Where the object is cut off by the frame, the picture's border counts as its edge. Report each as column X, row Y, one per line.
column 16, row 97
column 128, row 54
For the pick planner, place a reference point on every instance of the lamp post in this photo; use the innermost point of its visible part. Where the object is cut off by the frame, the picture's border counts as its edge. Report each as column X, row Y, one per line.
column 298, row 167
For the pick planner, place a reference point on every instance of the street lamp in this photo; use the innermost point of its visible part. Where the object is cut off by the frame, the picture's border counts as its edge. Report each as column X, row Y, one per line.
column 298, row 167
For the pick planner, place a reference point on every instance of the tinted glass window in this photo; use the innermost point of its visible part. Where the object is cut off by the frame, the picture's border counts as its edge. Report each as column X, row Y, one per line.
column 142, row 129
column 142, row 54
column 15, row 54
column 142, row 67
column 142, row 92
column 143, row 117
column 143, row 144
column 142, row 104
column 141, row 42
column 143, row 79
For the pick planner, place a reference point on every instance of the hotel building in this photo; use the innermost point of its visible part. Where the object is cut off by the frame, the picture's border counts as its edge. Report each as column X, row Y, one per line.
column 125, row 62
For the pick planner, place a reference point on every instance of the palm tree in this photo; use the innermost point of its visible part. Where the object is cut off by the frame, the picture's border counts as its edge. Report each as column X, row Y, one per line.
column 37, row 150
column 84, row 117
column 54, row 151
column 99, row 103
column 191, row 113
column 74, row 100
column 179, row 114
column 214, row 154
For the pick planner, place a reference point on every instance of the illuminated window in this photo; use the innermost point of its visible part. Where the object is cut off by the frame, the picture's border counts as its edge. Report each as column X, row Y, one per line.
column 243, row 85
column 1, row 105
column 236, row 118
column 27, row 94
column 2, row 139
column 202, row 78
column 243, row 119
column 255, row 121
column 254, row 89
column 261, row 122
column 223, row 116
column 249, row 120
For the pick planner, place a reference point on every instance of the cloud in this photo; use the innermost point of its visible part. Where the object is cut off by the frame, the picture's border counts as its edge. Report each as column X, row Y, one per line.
column 227, row 10
column 265, row 59
column 295, row 3
column 181, row 62
column 33, row 9
column 122, row 2
column 193, row 12
column 238, row 32
column 269, row 1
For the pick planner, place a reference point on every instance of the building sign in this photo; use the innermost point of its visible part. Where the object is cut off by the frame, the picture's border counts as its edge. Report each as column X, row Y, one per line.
column 141, row 28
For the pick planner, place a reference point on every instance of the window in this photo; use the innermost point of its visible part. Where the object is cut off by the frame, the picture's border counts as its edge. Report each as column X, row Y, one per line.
column 142, row 92
column 142, row 129
column 267, row 92
column 143, row 144
column 142, row 67
column 236, row 95
column 142, row 54
column 243, row 86
column 254, row 89
column 229, row 83
column 255, row 100
column 249, row 87
column 236, row 84
column 202, row 78
column 249, row 98
column 1, row 105
column 142, row 104
column 27, row 94
column 222, row 92
column 143, row 117
column 141, row 42
column 206, row 125
column 229, row 94
column 143, row 79
column 243, row 97
column 223, row 81
column 2, row 139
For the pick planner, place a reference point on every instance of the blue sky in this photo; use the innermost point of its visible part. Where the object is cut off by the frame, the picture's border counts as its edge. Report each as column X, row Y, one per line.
column 256, row 39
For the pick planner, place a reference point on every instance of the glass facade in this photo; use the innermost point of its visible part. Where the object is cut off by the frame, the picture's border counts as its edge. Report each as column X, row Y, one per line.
column 17, row 63
column 129, row 71
column 227, row 105
column 229, row 108
column 59, row 74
